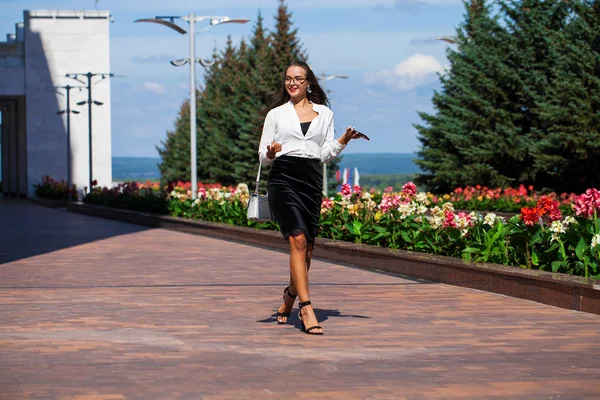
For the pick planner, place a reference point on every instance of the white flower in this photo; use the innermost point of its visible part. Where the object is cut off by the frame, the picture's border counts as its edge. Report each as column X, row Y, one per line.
column 421, row 197
column 448, row 207
column 437, row 221
column 406, row 210
column 461, row 222
column 596, row 240
column 569, row 220
column 490, row 219
column 366, row 196
column 421, row 210
column 176, row 195
column 557, row 227
column 437, row 212
column 242, row 188
column 475, row 216
column 370, row 205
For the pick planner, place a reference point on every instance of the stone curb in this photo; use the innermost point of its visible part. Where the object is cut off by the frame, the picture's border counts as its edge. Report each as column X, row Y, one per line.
column 559, row 290
column 40, row 201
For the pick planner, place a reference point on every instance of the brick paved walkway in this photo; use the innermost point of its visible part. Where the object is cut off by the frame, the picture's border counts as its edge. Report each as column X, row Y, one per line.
column 96, row 309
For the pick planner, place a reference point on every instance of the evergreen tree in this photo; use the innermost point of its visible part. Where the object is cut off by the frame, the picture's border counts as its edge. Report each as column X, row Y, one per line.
column 285, row 44
column 473, row 139
column 219, row 112
column 519, row 104
column 567, row 157
column 257, row 87
column 175, row 149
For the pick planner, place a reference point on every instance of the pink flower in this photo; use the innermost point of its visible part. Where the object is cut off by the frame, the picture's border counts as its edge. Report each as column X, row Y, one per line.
column 202, row 193
column 409, row 189
column 388, row 189
column 522, row 190
column 587, row 203
column 449, row 220
column 386, row 203
column 357, row 189
column 346, row 190
column 396, row 200
column 327, row 203
column 466, row 217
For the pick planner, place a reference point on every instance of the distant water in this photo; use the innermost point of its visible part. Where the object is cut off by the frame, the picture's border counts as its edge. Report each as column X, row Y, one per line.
column 146, row 168
column 135, row 168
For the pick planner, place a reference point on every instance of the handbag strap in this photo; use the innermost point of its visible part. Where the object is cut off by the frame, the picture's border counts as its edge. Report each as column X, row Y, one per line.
column 257, row 179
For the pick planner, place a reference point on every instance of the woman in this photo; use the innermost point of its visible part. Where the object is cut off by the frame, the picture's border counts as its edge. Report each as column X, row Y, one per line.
column 298, row 134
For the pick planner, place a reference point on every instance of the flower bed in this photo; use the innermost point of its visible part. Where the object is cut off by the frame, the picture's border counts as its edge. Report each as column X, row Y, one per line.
column 539, row 237
column 52, row 189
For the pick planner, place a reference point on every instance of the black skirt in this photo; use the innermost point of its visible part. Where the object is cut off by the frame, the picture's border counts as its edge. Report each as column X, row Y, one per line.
column 295, row 193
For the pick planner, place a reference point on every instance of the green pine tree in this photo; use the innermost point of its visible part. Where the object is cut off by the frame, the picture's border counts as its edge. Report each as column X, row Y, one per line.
column 472, row 139
column 567, row 157
column 520, row 102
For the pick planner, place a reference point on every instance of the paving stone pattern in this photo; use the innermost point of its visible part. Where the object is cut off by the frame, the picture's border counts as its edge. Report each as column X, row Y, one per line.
column 98, row 309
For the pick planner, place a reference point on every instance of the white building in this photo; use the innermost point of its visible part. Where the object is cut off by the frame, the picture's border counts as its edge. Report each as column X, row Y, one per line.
column 34, row 60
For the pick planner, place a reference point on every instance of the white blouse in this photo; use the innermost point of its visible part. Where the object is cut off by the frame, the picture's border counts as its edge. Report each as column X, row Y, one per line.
column 282, row 125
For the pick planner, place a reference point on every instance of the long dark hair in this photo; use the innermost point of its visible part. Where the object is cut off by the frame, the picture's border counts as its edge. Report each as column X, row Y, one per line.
column 317, row 94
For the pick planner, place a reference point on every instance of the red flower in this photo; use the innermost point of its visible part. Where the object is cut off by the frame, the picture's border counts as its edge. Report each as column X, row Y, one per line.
column 549, row 207
column 531, row 215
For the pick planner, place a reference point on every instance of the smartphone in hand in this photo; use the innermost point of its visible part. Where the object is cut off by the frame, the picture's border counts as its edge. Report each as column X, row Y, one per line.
column 362, row 135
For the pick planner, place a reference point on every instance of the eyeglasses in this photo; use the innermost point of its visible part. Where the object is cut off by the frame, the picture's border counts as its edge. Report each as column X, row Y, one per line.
column 297, row 79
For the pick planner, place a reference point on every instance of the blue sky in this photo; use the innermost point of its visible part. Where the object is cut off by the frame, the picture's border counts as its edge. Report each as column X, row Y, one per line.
column 384, row 46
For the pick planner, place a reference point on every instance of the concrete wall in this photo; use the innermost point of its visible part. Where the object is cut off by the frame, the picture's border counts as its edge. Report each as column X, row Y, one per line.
column 58, row 43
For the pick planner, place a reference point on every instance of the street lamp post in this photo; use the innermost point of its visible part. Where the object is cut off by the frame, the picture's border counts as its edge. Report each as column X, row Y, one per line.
column 89, row 101
column 324, row 78
column 68, row 111
column 168, row 21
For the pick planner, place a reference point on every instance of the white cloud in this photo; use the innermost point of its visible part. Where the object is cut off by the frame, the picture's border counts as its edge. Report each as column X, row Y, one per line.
column 416, row 70
column 154, row 87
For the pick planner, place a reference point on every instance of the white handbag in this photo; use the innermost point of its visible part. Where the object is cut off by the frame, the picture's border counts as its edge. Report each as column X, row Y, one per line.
column 258, row 204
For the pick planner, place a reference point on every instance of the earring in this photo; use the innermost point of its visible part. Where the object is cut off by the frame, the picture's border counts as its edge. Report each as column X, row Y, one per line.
column 308, row 89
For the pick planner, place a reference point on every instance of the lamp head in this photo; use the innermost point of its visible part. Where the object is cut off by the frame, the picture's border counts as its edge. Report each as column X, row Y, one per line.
column 180, row 63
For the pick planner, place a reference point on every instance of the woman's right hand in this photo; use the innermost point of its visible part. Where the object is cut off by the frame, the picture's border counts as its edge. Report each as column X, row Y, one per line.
column 273, row 149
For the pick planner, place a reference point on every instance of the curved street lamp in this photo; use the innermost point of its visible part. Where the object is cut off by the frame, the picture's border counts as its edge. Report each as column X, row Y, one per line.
column 68, row 110
column 90, row 102
column 169, row 21
column 447, row 39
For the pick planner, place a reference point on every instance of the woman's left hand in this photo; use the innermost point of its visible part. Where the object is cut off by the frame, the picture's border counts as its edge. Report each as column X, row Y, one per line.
column 350, row 134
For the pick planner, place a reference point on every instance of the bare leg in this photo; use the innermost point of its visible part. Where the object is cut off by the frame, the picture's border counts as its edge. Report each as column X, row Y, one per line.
column 299, row 268
column 288, row 301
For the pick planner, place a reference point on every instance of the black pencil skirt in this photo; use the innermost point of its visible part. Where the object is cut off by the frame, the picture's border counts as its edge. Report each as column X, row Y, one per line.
column 295, row 195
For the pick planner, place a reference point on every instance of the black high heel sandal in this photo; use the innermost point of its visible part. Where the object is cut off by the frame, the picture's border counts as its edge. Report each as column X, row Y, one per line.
column 286, row 291
column 311, row 330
